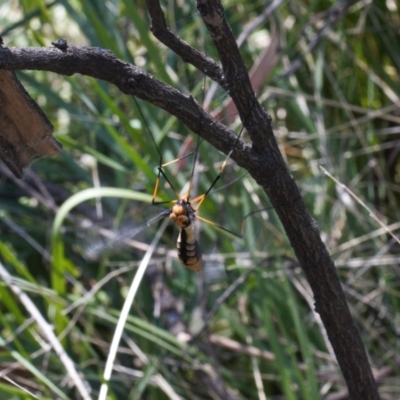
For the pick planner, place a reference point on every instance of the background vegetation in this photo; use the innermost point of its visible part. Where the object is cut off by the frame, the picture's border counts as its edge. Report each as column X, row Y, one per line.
column 332, row 91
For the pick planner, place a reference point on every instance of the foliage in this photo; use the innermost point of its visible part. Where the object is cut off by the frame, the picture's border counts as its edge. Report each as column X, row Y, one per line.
column 333, row 105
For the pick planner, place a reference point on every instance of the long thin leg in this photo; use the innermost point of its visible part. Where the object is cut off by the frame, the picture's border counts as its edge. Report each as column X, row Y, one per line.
column 161, row 165
column 201, row 198
column 238, row 235
column 161, row 172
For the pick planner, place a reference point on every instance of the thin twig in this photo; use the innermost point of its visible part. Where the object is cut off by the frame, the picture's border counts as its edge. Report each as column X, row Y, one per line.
column 188, row 54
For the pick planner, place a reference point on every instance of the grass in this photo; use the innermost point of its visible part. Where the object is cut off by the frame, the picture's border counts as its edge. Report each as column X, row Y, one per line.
column 336, row 109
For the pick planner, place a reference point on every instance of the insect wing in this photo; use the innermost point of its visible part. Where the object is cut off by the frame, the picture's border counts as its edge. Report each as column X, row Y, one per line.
column 111, row 239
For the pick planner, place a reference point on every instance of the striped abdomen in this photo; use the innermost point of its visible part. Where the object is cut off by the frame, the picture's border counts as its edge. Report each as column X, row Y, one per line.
column 189, row 253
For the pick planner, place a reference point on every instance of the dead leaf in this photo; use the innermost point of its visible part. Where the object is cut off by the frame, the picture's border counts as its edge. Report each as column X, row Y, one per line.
column 25, row 132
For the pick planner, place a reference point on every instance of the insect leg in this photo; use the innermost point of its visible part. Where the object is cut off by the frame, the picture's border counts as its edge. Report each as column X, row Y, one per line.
column 201, row 198
column 161, row 172
column 238, row 235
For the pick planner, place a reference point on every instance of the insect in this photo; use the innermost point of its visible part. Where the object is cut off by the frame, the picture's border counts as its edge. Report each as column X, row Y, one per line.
column 183, row 211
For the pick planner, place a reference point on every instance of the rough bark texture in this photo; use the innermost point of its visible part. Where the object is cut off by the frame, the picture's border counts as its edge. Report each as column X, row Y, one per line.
column 262, row 158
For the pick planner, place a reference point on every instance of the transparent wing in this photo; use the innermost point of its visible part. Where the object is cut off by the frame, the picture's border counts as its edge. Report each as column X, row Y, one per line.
column 103, row 239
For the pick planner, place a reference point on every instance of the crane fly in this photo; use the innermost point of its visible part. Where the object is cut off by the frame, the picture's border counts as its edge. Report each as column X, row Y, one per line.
column 183, row 214
column 184, row 210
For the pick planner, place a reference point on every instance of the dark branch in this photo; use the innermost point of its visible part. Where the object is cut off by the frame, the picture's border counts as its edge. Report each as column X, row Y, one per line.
column 301, row 229
column 236, row 75
column 132, row 80
column 188, row 54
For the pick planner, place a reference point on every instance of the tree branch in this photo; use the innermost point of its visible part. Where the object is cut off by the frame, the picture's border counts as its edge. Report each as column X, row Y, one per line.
column 188, row 54
column 299, row 226
column 130, row 79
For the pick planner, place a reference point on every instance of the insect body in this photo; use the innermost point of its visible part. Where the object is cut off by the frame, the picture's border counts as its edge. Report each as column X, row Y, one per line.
column 183, row 214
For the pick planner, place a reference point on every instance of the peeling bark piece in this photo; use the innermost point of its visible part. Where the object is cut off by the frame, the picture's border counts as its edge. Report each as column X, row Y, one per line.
column 25, row 132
